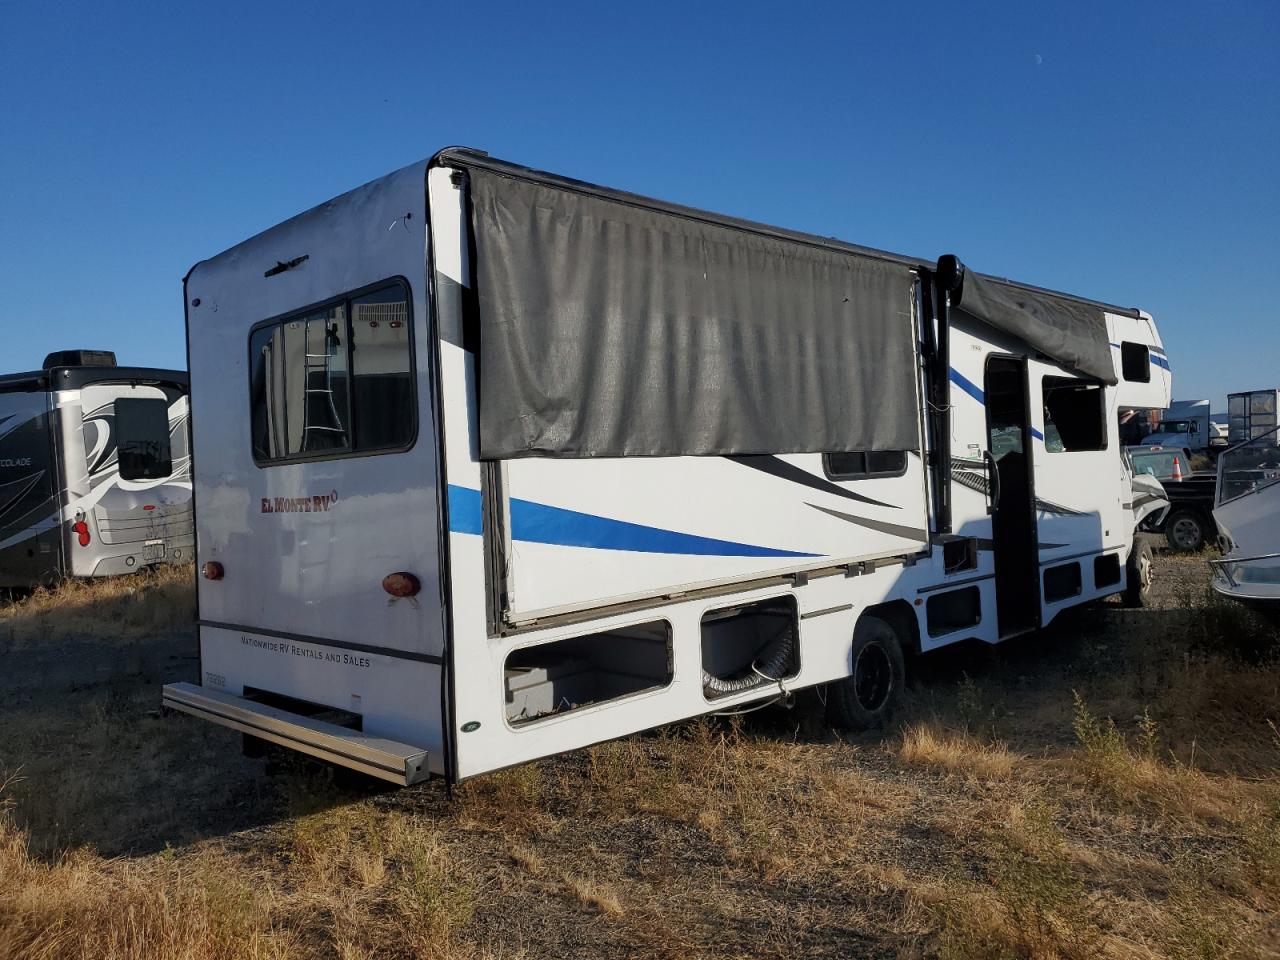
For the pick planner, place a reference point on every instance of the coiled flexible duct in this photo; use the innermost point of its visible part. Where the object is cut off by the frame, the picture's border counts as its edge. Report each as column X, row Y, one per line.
column 770, row 664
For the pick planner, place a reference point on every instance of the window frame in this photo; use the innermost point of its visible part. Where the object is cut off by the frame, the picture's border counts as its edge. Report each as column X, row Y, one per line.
column 1102, row 413
column 867, row 474
column 344, row 299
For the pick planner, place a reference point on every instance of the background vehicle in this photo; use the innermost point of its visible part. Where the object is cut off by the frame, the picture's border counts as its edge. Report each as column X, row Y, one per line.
column 1248, row 511
column 1188, row 523
column 1252, row 415
column 94, row 469
column 1186, row 423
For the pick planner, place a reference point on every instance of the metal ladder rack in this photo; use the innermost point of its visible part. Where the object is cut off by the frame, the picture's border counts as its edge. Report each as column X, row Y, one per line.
column 324, row 369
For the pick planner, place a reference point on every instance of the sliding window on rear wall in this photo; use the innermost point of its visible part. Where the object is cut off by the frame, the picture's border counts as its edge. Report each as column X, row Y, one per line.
column 334, row 380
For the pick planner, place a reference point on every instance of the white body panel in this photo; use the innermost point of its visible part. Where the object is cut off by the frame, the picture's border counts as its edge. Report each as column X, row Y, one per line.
column 1155, row 393
column 131, row 521
column 313, row 567
column 670, row 525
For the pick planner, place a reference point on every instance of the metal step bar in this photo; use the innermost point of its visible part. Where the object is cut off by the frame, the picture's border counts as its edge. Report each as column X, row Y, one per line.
column 399, row 763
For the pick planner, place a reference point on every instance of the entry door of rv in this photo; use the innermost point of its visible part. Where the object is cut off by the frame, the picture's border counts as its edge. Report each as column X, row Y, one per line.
column 1013, row 521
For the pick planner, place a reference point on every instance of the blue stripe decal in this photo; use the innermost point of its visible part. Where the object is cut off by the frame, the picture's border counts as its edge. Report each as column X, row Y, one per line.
column 1158, row 356
column 1150, row 349
column 539, row 523
column 1036, row 434
column 968, row 386
column 464, row 510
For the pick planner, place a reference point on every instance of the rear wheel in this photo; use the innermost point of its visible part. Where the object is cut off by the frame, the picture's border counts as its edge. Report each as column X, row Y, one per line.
column 1186, row 530
column 1138, row 591
column 866, row 699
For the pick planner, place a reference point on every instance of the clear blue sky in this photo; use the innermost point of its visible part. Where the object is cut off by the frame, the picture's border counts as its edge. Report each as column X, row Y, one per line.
column 1124, row 151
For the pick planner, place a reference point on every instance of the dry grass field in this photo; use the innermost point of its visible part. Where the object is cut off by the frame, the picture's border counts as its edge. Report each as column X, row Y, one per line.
column 1108, row 788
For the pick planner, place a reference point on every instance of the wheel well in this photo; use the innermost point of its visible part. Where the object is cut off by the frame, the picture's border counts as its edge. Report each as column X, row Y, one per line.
column 899, row 615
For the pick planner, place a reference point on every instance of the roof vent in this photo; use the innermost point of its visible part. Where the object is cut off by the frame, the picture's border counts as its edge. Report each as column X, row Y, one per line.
column 80, row 358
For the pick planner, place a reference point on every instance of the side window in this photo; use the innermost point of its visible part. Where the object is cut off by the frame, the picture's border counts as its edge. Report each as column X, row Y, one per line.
column 865, row 464
column 1074, row 417
column 142, row 438
column 334, row 381
column 1135, row 362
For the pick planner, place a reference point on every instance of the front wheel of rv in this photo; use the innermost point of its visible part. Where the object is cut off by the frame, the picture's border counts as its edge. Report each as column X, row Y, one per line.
column 1138, row 591
column 865, row 700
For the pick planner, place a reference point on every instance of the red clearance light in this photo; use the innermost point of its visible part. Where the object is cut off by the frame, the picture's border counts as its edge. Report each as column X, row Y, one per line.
column 401, row 584
column 149, row 506
column 81, row 529
column 212, row 570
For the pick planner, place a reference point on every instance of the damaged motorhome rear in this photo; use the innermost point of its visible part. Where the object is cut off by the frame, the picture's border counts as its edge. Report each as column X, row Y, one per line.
column 493, row 464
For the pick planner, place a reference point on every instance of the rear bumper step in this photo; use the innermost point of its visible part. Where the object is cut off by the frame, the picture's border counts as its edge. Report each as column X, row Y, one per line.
column 399, row 763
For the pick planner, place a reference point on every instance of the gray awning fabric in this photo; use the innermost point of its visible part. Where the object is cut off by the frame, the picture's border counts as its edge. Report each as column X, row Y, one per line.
column 1071, row 332
column 608, row 328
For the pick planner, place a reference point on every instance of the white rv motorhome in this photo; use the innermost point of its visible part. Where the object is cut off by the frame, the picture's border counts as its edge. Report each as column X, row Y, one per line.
column 494, row 464
column 94, row 470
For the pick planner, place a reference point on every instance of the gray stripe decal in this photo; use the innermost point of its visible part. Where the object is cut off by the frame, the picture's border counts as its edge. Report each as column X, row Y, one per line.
column 893, row 529
column 1046, row 506
column 776, row 467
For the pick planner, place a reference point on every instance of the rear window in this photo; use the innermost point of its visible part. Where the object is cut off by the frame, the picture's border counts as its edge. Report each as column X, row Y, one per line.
column 1158, row 465
column 142, row 438
column 335, row 380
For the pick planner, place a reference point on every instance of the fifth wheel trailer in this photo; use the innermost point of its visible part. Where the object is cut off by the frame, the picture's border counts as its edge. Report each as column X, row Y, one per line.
column 94, row 470
column 494, row 464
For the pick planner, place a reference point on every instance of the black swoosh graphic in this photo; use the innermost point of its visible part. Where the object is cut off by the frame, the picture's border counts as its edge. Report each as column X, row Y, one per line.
column 893, row 529
column 776, row 467
column 1046, row 506
column 972, row 480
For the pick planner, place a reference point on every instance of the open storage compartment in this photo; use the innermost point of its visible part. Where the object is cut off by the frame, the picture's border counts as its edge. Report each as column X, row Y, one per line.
column 749, row 645
column 555, row 678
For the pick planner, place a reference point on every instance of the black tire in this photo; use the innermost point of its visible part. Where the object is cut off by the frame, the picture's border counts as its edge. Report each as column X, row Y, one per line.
column 867, row 698
column 1186, row 530
column 1138, row 590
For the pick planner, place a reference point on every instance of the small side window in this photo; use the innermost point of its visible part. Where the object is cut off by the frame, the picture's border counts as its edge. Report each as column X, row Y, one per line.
column 1074, row 417
column 865, row 464
column 142, row 438
column 1135, row 362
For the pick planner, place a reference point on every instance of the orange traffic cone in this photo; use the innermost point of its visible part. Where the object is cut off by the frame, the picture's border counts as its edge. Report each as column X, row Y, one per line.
column 1177, row 468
